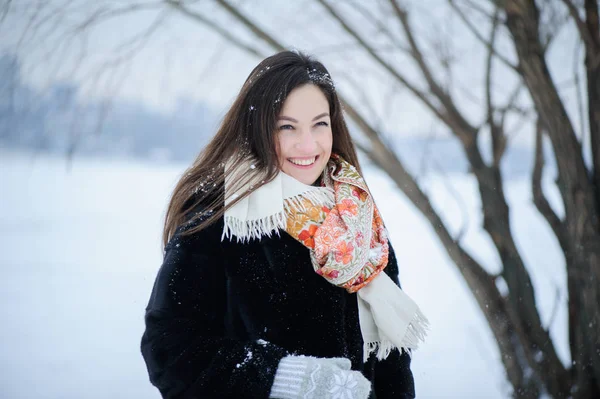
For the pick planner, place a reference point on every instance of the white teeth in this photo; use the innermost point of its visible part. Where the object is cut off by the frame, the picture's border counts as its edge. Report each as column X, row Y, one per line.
column 303, row 162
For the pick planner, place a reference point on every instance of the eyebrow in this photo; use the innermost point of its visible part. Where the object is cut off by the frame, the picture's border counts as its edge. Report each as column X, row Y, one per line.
column 288, row 118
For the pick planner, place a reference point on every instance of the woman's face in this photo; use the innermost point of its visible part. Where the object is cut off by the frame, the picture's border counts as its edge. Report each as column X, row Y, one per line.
column 304, row 134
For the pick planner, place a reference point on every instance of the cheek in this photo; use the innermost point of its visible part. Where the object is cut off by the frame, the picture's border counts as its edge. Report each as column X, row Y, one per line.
column 284, row 145
column 280, row 147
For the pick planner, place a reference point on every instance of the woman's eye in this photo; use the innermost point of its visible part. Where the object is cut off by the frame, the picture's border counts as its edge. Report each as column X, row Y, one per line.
column 286, row 127
column 322, row 123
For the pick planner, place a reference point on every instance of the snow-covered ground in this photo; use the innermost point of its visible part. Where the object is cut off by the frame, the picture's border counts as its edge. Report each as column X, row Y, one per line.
column 79, row 251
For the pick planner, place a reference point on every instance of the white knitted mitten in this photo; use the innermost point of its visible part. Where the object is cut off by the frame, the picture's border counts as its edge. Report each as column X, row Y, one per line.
column 305, row 377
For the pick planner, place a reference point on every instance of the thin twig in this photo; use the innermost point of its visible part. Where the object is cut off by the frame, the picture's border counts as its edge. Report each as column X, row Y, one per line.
column 457, row 198
column 225, row 33
column 417, row 55
column 364, row 99
column 510, row 103
column 581, row 28
column 557, row 296
column 450, row 113
column 381, row 26
column 553, row 27
column 388, row 67
column 469, row 24
column 5, row 10
column 252, row 26
column 496, row 129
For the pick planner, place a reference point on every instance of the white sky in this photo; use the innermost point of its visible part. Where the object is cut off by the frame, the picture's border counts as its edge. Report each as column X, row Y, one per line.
column 185, row 59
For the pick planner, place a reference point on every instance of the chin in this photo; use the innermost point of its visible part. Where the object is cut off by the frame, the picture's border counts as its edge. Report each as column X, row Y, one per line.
column 307, row 180
column 302, row 178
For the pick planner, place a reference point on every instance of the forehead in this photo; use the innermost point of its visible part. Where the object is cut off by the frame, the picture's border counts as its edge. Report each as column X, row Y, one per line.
column 305, row 102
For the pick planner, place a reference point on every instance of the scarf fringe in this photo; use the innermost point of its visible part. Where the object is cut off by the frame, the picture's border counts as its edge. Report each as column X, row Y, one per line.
column 249, row 229
column 382, row 349
column 415, row 333
column 319, row 196
column 417, row 330
column 245, row 230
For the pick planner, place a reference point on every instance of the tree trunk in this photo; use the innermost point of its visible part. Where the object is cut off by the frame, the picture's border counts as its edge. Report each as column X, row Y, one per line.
column 578, row 194
column 499, row 314
column 592, row 67
column 592, row 63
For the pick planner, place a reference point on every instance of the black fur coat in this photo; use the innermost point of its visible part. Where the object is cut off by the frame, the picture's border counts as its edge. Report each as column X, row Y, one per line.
column 222, row 314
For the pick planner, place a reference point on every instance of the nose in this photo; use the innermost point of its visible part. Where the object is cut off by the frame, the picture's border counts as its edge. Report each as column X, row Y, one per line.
column 306, row 142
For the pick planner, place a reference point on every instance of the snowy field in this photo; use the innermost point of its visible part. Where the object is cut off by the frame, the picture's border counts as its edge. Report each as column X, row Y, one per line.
column 79, row 251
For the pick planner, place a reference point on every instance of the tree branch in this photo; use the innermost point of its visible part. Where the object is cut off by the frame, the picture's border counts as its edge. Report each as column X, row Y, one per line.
column 477, row 6
column 586, row 36
column 251, row 25
column 523, row 113
column 480, row 38
column 523, row 21
column 417, row 92
column 365, row 12
column 554, row 307
column 459, row 201
column 539, row 199
column 553, row 25
column 496, row 129
column 592, row 66
column 363, row 98
column 130, row 48
column 103, row 14
column 177, row 5
column 5, row 10
column 592, row 21
column 417, row 55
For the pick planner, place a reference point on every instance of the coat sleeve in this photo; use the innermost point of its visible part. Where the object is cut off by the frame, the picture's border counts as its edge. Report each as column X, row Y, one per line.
column 184, row 345
column 393, row 377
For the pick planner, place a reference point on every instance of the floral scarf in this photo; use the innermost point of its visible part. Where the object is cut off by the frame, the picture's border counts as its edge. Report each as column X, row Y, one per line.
column 348, row 244
column 348, row 241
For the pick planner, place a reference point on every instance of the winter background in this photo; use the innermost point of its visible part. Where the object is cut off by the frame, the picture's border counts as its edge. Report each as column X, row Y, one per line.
column 80, row 248
column 80, row 233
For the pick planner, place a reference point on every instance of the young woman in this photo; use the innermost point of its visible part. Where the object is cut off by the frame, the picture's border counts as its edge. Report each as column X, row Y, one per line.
column 278, row 279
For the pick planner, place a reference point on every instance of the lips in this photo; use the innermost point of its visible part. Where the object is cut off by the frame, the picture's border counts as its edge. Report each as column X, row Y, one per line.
column 303, row 162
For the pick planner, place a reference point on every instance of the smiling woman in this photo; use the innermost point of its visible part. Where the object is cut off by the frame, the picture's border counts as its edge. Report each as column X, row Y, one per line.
column 304, row 140
column 278, row 280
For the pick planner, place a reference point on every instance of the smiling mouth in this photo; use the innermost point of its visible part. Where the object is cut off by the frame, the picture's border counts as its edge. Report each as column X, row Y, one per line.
column 303, row 162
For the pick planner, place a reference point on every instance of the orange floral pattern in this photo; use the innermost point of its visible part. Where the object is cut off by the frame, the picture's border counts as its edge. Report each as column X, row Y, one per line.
column 348, row 242
column 308, row 236
column 347, row 207
column 343, row 252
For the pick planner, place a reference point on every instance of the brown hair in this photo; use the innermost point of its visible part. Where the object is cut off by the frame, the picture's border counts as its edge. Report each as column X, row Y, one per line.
column 247, row 134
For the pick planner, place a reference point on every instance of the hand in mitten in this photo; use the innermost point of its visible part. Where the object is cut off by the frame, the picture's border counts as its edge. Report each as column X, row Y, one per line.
column 304, row 377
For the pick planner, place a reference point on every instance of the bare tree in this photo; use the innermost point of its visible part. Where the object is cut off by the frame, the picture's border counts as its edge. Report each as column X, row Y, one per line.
column 529, row 356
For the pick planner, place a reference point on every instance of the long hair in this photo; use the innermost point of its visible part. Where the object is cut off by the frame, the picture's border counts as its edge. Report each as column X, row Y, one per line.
column 247, row 137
